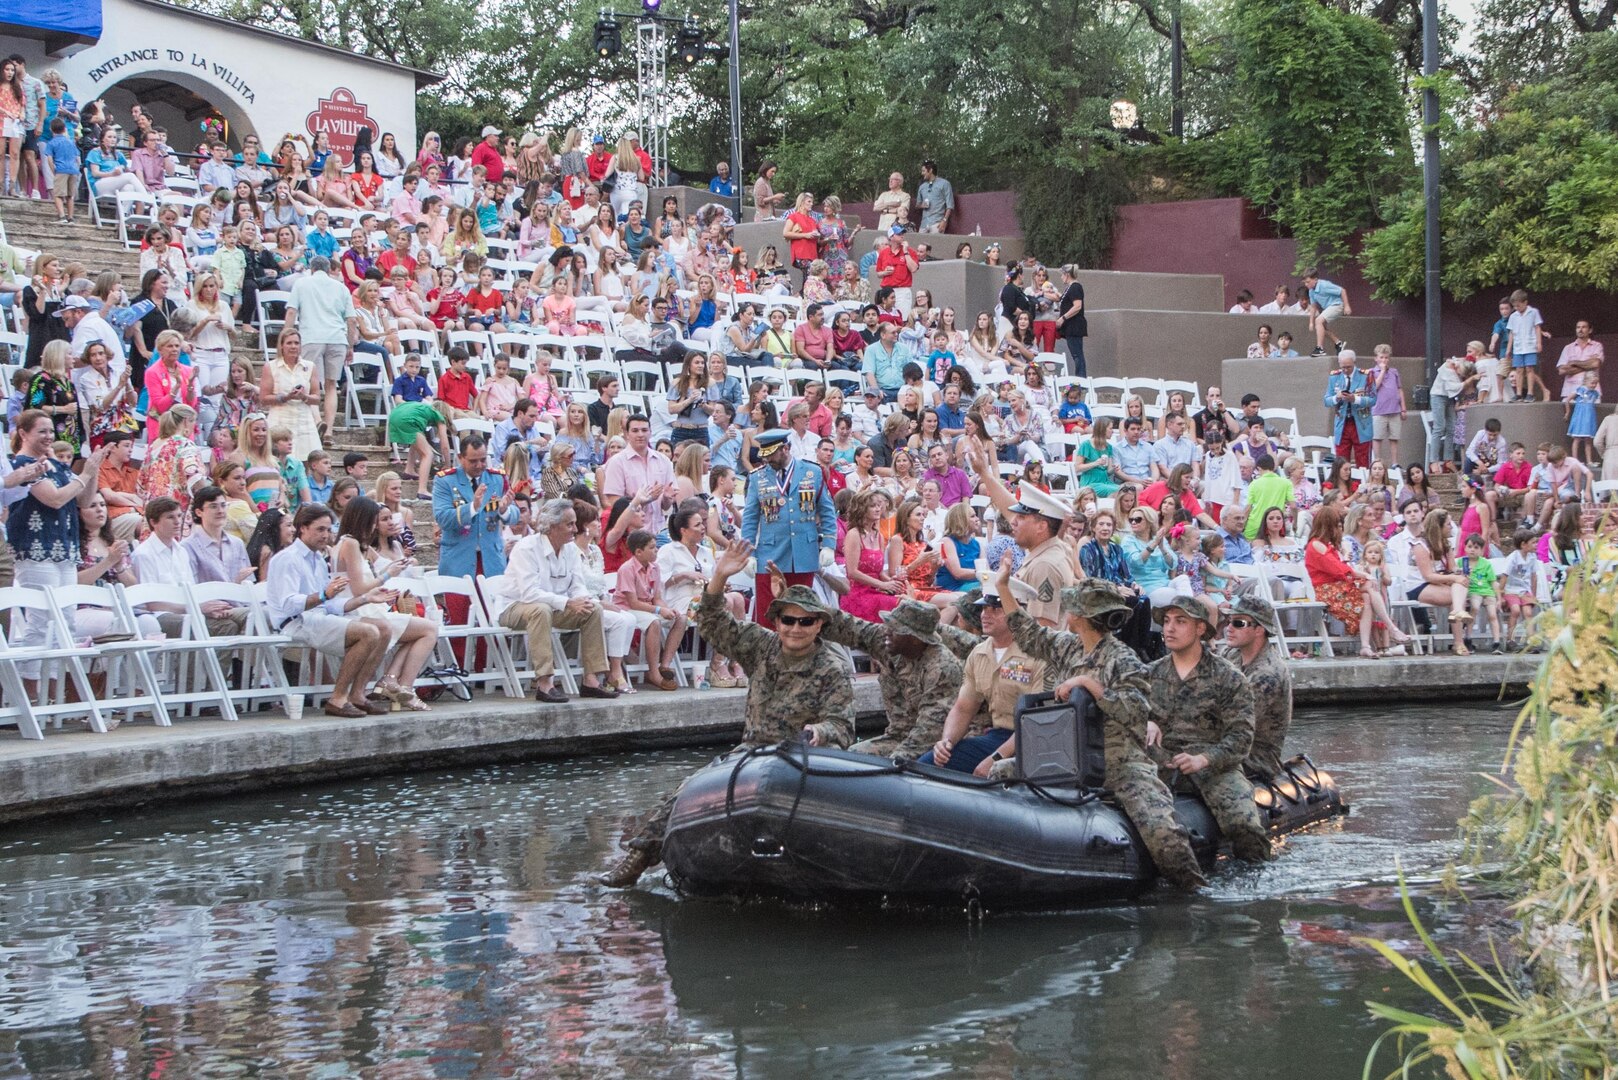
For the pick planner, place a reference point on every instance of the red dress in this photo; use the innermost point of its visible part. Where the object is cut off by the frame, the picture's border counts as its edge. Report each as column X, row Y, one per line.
column 1335, row 585
column 863, row 601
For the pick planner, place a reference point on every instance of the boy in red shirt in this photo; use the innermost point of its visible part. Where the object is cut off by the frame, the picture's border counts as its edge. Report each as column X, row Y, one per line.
column 1511, row 483
column 457, row 388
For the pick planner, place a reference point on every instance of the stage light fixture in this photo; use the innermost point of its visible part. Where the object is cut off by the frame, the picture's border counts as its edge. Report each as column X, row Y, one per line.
column 608, row 42
column 688, row 43
column 651, row 6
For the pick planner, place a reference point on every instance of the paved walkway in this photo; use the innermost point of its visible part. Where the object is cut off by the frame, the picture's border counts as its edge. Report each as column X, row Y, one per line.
column 77, row 770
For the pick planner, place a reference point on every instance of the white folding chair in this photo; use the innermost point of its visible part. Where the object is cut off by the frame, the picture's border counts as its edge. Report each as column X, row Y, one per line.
column 137, row 209
column 476, row 629
column 194, row 676
column 60, row 660
column 258, row 648
column 565, row 668
column 266, row 322
column 128, row 662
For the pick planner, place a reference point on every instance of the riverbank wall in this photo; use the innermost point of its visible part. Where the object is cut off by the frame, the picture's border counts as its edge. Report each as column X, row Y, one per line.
column 75, row 771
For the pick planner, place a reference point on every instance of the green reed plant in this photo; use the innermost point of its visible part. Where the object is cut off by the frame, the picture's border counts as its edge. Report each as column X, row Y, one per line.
column 1549, row 841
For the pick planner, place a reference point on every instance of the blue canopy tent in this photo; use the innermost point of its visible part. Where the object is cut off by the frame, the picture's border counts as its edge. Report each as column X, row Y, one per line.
column 65, row 26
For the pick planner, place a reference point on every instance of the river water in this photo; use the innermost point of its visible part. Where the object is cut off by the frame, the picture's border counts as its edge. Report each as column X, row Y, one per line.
column 442, row 924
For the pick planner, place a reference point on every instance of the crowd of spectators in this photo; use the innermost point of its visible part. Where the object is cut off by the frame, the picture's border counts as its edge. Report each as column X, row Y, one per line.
column 134, row 410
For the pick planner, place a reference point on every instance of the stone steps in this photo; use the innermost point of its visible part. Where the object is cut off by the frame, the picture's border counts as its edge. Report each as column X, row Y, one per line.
column 32, row 225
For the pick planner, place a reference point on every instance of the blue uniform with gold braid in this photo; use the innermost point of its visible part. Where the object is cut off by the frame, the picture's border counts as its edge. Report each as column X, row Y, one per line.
column 466, row 534
column 789, row 516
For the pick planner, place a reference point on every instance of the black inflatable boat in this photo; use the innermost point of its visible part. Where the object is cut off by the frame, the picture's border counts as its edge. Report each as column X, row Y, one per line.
column 812, row 824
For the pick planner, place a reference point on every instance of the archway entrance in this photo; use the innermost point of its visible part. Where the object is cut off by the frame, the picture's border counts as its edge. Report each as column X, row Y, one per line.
column 179, row 104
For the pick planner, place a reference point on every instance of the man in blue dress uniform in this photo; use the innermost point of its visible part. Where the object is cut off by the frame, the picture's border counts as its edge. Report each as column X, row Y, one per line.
column 470, row 504
column 789, row 519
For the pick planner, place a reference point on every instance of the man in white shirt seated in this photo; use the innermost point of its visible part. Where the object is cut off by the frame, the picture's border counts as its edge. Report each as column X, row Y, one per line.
column 545, row 585
column 162, row 560
column 306, row 605
column 867, row 416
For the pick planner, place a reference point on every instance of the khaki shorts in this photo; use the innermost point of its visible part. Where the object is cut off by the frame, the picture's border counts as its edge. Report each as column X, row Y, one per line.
column 327, row 359
column 1386, row 427
column 65, row 185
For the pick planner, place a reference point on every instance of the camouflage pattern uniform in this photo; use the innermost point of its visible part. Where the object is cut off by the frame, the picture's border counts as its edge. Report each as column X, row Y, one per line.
column 1130, row 774
column 916, row 694
column 959, row 642
column 1211, row 713
column 1271, row 680
column 784, row 694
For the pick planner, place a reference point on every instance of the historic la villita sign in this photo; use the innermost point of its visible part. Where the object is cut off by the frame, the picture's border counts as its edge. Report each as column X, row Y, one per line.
column 341, row 117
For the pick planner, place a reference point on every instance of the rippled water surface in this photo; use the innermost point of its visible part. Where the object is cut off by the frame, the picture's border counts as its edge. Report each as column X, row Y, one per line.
column 443, row 925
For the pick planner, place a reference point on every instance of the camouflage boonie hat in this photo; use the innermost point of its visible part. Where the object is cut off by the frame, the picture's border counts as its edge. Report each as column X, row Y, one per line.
column 1197, row 607
column 799, row 596
column 967, row 608
column 1260, row 610
column 915, row 619
column 1094, row 597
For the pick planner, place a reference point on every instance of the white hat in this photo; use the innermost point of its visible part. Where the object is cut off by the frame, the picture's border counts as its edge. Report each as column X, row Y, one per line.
column 489, row 129
column 1034, row 501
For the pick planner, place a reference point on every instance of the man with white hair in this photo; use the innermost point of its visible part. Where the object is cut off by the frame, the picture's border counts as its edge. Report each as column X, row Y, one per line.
column 1349, row 396
column 545, row 585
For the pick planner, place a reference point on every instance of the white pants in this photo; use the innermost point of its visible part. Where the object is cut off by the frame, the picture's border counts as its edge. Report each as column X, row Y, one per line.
column 626, row 191
column 904, row 300
column 108, row 186
column 618, row 627
column 211, row 368
column 36, row 624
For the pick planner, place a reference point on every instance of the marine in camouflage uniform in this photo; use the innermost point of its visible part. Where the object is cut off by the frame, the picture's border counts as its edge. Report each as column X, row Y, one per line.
column 1271, row 679
column 785, row 695
column 1130, row 774
column 1210, row 712
column 916, row 691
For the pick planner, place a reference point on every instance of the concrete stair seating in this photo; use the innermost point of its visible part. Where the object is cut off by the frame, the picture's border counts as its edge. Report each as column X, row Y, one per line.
column 31, row 226
column 1300, row 384
column 1529, row 423
column 692, row 199
column 1194, row 345
column 965, row 287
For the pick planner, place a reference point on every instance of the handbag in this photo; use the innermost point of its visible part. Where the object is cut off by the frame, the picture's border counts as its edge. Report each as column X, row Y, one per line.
column 450, row 678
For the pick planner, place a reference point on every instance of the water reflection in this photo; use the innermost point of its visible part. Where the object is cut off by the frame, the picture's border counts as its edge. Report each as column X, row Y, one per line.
column 442, row 925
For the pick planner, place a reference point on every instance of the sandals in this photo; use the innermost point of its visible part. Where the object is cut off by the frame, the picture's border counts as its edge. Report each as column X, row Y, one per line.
column 1370, row 654
column 412, row 703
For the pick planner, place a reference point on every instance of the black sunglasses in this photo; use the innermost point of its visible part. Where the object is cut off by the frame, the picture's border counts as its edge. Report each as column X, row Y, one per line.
column 798, row 620
column 1137, row 520
column 1241, row 623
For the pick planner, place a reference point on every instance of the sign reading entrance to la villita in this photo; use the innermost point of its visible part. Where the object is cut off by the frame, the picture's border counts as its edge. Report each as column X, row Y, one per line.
column 175, row 56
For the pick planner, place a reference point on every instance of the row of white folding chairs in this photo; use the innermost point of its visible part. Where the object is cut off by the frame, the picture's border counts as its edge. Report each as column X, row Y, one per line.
column 154, row 677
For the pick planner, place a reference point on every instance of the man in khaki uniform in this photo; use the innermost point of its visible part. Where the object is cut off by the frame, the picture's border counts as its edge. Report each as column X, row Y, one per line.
column 997, row 673
column 1035, row 521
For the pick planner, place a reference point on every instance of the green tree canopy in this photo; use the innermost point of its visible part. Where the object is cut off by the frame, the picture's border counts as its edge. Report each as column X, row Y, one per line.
column 1530, row 196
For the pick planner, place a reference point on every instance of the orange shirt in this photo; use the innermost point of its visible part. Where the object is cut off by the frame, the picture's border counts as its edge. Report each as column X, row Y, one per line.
column 121, row 480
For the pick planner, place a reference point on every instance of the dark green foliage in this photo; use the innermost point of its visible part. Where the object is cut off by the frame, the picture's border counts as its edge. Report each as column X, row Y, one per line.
column 1531, row 199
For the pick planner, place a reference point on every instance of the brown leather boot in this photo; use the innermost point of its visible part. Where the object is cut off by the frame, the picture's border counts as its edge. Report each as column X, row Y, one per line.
column 627, row 870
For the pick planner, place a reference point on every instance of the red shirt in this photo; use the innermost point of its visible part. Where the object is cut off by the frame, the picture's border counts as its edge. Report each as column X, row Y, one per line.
column 489, row 157
column 887, row 258
column 595, row 166
column 482, row 303
column 806, row 250
column 1152, row 495
column 835, row 481
column 448, row 303
column 457, row 391
column 1514, row 476
column 391, row 258
column 645, row 161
